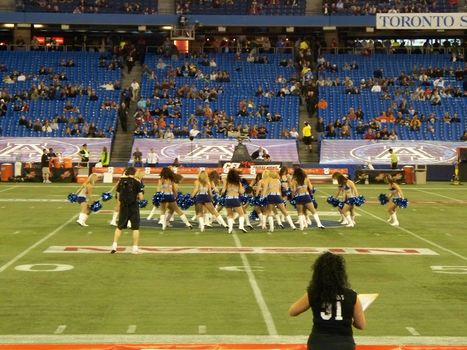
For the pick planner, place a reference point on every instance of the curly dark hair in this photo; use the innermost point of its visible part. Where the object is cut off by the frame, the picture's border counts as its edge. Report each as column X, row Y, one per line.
column 214, row 177
column 130, row 171
column 299, row 176
column 233, row 177
column 167, row 174
column 329, row 278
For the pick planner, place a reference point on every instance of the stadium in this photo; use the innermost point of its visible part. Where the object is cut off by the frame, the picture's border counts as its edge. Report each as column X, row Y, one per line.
column 173, row 171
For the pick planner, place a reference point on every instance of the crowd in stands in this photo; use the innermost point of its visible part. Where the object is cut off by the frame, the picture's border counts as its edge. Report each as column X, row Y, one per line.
column 241, row 7
column 371, row 7
column 88, row 6
column 173, row 85
column 425, row 99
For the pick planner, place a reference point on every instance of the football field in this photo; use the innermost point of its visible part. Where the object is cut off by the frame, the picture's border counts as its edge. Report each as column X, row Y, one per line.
column 59, row 284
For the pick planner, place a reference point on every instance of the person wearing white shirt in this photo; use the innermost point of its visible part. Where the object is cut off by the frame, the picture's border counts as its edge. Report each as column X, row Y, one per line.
column 135, row 89
column 294, row 133
column 152, row 158
column 376, row 88
column 438, row 83
column 194, row 132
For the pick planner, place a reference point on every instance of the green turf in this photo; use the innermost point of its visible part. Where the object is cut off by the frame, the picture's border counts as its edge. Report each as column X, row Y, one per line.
column 174, row 294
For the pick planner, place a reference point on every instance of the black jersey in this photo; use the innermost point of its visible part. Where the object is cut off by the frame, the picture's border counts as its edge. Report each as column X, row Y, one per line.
column 334, row 318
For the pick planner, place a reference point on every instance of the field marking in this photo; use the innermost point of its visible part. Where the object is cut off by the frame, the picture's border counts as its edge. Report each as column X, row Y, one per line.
column 439, row 195
column 35, row 245
column 412, row 330
column 131, row 329
column 241, row 250
column 8, row 188
column 418, row 236
column 256, row 290
column 60, row 329
column 216, row 339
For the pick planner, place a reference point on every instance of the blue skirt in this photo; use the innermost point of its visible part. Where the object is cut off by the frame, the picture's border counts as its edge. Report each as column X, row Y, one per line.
column 81, row 199
column 274, row 199
column 202, row 198
column 303, row 199
column 167, row 198
column 232, row 202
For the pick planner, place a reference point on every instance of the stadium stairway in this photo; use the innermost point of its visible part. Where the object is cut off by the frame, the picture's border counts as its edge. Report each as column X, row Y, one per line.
column 304, row 155
column 123, row 141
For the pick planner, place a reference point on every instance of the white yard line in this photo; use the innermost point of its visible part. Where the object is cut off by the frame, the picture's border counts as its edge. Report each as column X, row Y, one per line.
column 131, row 329
column 417, row 236
column 256, row 291
column 60, row 329
column 35, row 245
column 8, row 188
column 412, row 331
column 439, row 195
column 214, row 339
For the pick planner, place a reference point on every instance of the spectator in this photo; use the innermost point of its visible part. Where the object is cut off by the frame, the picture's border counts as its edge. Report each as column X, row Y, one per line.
column 152, row 159
column 137, row 158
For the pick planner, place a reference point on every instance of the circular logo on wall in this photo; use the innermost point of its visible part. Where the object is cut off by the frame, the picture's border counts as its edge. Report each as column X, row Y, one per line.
column 407, row 152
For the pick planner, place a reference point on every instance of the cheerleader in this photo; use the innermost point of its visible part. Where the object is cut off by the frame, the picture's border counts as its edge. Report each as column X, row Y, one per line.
column 84, row 199
column 349, row 190
column 394, row 193
column 168, row 188
column 202, row 193
column 340, row 192
column 272, row 193
column 256, row 187
column 301, row 187
column 232, row 190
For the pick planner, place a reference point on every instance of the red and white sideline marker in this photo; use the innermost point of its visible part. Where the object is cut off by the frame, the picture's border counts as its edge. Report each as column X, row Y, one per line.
column 244, row 250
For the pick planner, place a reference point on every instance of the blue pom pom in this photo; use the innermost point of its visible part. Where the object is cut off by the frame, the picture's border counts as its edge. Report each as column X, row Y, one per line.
column 156, row 199
column 288, row 194
column 244, row 199
column 142, row 203
column 95, row 206
column 293, row 201
column 341, row 205
column 81, row 199
column 184, row 201
column 383, row 199
column 72, row 197
column 106, row 196
column 262, row 202
column 401, row 202
column 221, row 200
column 360, row 201
column 335, row 202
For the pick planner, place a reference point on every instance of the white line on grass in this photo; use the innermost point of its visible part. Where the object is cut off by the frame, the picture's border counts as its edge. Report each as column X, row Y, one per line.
column 439, row 195
column 60, row 329
column 418, row 236
column 39, row 242
column 8, row 188
column 256, row 291
column 412, row 330
column 215, row 339
column 131, row 329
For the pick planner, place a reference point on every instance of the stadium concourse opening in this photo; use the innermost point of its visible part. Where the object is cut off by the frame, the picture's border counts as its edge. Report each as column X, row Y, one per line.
column 212, row 347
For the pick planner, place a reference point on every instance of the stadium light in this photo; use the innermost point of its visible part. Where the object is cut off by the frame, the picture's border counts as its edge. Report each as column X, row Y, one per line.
column 167, row 27
column 9, row 25
column 141, row 28
column 65, row 26
column 222, row 29
column 289, row 29
column 329, row 28
column 38, row 25
column 370, row 29
column 24, row 25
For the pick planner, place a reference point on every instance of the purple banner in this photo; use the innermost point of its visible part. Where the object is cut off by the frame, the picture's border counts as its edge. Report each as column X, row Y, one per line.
column 211, row 151
column 25, row 149
column 377, row 152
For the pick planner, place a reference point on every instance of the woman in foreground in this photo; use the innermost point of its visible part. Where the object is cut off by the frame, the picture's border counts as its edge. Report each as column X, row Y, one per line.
column 335, row 306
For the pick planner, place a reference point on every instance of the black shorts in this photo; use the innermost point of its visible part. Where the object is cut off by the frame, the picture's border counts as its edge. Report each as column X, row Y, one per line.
column 129, row 213
column 307, row 140
column 330, row 342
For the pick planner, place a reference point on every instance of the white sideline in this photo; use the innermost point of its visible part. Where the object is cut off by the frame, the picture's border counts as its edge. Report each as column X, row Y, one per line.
column 439, row 195
column 8, row 188
column 418, row 236
column 256, row 291
column 216, row 339
column 39, row 242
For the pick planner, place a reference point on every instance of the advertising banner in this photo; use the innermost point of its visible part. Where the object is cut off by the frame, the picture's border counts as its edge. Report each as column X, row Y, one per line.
column 26, row 150
column 429, row 21
column 211, row 151
column 377, row 152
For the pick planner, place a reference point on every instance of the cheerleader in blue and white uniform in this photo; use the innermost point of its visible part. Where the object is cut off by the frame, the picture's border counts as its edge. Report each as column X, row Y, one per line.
column 232, row 190
column 84, row 199
column 395, row 192
column 301, row 187
column 349, row 189
column 168, row 188
column 272, row 193
column 202, row 193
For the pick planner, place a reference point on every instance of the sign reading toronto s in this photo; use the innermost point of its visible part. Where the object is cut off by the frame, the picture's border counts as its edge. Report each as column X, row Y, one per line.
column 421, row 21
